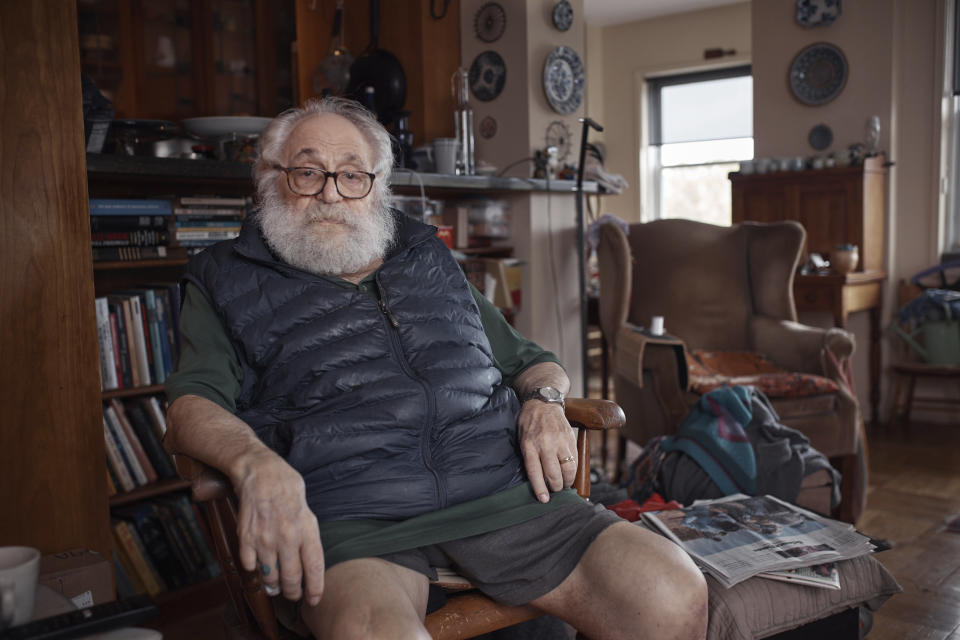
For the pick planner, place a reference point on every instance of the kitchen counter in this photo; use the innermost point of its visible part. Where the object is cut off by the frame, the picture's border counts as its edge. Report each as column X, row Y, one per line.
column 146, row 166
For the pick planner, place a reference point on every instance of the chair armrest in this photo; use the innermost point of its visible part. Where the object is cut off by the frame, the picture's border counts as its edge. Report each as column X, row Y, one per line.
column 207, row 483
column 798, row 347
column 594, row 414
column 636, row 352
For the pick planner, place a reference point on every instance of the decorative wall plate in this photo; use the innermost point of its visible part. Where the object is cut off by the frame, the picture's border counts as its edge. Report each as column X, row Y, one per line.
column 820, row 137
column 818, row 13
column 488, row 127
column 488, row 74
column 558, row 135
column 563, row 80
column 490, row 22
column 563, row 15
column 818, row 74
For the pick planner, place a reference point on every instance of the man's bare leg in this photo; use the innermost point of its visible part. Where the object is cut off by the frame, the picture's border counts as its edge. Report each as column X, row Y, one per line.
column 370, row 599
column 632, row 583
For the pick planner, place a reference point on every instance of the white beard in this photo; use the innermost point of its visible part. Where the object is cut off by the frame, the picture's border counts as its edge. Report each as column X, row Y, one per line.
column 334, row 250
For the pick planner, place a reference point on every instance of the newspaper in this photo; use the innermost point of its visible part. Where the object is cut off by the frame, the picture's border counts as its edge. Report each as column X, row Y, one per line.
column 824, row 576
column 737, row 537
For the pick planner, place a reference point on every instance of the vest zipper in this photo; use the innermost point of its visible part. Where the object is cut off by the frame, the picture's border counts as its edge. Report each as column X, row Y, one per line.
column 394, row 338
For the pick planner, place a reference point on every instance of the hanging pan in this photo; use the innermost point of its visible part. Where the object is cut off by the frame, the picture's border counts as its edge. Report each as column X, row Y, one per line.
column 381, row 70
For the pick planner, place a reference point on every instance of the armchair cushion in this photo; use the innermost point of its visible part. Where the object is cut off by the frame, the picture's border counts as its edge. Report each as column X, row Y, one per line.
column 709, row 370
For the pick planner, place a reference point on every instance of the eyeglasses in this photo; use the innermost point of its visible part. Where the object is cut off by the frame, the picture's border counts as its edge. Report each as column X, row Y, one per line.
column 309, row 181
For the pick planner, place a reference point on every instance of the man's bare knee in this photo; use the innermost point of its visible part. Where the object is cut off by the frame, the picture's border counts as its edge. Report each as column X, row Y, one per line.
column 682, row 598
column 368, row 622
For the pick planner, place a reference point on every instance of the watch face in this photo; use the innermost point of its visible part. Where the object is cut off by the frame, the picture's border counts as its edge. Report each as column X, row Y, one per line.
column 550, row 394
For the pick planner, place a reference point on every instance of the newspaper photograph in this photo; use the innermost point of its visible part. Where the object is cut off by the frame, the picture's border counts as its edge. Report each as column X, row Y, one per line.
column 736, row 537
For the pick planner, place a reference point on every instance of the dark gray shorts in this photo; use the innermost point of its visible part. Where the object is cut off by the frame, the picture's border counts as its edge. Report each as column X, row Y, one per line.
column 519, row 563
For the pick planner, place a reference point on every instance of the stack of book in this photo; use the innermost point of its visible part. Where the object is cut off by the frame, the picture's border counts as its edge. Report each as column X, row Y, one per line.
column 130, row 228
column 160, row 545
column 201, row 221
column 132, row 431
column 138, row 335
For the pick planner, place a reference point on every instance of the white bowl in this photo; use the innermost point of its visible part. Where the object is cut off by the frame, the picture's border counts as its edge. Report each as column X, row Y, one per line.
column 215, row 127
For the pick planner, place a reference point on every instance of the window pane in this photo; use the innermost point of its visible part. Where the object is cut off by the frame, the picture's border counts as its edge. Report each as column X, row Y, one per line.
column 706, row 151
column 708, row 110
column 697, row 193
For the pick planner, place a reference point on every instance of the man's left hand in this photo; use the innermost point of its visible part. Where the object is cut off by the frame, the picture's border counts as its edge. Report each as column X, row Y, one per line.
column 549, row 447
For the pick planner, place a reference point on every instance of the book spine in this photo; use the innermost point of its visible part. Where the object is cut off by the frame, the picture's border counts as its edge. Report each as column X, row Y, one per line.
column 129, row 223
column 128, row 253
column 158, row 419
column 108, row 373
column 188, row 517
column 115, row 338
column 203, row 225
column 138, row 238
column 174, row 536
column 130, row 206
column 156, row 545
column 207, row 235
column 126, row 448
column 212, row 201
column 140, row 422
column 139, row 340
column 115, row 460
column 205, row 213
column 142, row 459
column 153, row 327
column 117, row 308
column 166, row 340
column 130, row 329
column 134, row 547
column 125, row 588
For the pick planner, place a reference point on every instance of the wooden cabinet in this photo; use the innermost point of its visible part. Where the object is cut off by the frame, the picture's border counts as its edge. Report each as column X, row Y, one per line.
column 835, row 206
column 175, row 59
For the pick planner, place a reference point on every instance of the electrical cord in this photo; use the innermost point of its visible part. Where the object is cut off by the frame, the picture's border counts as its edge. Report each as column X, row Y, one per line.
column 513, row 164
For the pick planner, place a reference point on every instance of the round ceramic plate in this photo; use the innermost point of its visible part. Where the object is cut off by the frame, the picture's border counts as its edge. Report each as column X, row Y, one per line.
column 490, row 22
column 563, row 15
column 488, row 74
column 818, row 74
column 214, row 127
column 563, row 80
column 820, row 137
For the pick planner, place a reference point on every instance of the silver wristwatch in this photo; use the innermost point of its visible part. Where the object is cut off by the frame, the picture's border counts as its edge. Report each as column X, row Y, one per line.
column 546, row 394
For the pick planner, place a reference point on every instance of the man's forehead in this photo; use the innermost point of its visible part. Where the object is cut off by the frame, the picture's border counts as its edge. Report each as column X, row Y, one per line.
column 327, row 136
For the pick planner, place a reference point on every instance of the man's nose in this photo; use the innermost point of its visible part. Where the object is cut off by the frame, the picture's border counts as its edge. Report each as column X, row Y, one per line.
column 329, row 194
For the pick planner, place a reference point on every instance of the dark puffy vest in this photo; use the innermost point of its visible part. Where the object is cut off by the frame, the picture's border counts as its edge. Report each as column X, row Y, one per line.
column 388, row 410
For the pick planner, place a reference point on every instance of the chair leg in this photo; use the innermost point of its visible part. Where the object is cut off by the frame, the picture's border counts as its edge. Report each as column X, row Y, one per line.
column 911, row 385
column 895, row 411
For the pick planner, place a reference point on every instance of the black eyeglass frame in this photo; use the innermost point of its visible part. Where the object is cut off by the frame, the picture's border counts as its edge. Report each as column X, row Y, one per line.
column 326, row 176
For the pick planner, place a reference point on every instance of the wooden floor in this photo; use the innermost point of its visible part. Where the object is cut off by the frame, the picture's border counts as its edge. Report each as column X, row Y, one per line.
column 914, row 489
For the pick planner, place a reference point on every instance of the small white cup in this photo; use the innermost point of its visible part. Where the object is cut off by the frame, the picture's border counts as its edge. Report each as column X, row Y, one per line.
column 656, row 325
column 747, row 167
column 19, row 568
column 445, row 155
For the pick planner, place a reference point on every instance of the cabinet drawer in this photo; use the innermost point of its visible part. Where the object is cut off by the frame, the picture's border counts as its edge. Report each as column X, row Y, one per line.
column 814, row 298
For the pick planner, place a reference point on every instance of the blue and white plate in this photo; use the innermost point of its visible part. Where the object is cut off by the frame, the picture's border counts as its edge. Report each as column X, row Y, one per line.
column 563, row 80
column 818, row 74
column 818, row 13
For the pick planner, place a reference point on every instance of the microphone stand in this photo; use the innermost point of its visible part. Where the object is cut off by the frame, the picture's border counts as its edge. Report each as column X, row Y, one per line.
column 581, row 260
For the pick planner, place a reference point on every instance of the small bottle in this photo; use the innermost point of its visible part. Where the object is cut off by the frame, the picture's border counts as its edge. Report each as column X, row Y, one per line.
column 463, row 122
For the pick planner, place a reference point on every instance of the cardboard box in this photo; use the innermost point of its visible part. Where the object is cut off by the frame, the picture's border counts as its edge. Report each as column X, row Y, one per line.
column 83, row 576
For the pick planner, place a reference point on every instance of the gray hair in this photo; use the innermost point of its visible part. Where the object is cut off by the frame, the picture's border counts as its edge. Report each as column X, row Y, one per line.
column 275, row 136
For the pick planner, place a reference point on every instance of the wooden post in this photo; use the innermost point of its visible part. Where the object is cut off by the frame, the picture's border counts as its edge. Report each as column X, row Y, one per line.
column 53, row 487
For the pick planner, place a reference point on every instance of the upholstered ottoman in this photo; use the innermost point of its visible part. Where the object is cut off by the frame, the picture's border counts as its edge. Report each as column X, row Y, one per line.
column 761, row 608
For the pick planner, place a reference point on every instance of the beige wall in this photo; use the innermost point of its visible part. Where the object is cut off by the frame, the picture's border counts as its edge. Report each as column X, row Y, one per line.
column 893, row 48
column 630, row 52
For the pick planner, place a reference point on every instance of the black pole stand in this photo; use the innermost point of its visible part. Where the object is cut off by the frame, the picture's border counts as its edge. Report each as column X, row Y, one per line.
column 581, row 260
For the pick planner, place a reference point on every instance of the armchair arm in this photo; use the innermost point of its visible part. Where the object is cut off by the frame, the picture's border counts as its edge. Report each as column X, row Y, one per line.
column 798, row 347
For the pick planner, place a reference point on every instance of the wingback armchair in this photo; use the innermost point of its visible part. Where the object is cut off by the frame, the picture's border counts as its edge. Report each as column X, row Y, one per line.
column 725, row 290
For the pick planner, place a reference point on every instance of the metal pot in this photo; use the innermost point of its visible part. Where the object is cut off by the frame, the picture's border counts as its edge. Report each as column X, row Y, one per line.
column 381, row 70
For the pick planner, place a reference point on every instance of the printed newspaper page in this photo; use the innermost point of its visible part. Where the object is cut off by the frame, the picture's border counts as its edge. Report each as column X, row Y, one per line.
column 824, row 576
column 738, row 536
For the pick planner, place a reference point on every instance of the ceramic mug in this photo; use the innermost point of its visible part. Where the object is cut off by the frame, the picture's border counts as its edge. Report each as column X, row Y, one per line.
column 656, row 325
column 445, row 155
column 19, row 568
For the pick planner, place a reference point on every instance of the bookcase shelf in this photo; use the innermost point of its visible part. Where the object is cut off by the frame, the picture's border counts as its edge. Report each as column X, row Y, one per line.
column 108, row 265
column 133, row 392
column 149, row 491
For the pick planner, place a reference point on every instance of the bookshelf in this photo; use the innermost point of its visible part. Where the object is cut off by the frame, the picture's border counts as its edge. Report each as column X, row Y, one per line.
column 116, row 177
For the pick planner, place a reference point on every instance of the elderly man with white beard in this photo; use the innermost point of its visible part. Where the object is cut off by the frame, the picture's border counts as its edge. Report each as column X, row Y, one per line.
column 379, row 418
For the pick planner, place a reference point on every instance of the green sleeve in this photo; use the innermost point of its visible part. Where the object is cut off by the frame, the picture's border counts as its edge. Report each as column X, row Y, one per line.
column 512, row 352
column 207, row 365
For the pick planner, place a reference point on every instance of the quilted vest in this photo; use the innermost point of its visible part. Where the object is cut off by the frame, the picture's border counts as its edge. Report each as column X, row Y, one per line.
column 388, row 409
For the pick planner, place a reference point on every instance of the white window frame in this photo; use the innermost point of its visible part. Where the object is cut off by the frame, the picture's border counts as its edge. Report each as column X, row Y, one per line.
column 653, row 147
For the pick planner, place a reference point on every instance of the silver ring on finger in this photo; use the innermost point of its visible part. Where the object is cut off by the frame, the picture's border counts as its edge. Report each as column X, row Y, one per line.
column 567, row 459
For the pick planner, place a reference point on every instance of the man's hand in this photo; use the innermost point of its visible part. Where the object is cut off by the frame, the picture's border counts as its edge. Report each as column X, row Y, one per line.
column 549, row 447
column 278, row 533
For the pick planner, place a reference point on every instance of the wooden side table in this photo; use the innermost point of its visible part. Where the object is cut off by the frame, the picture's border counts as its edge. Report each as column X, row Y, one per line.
column 842, row 295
